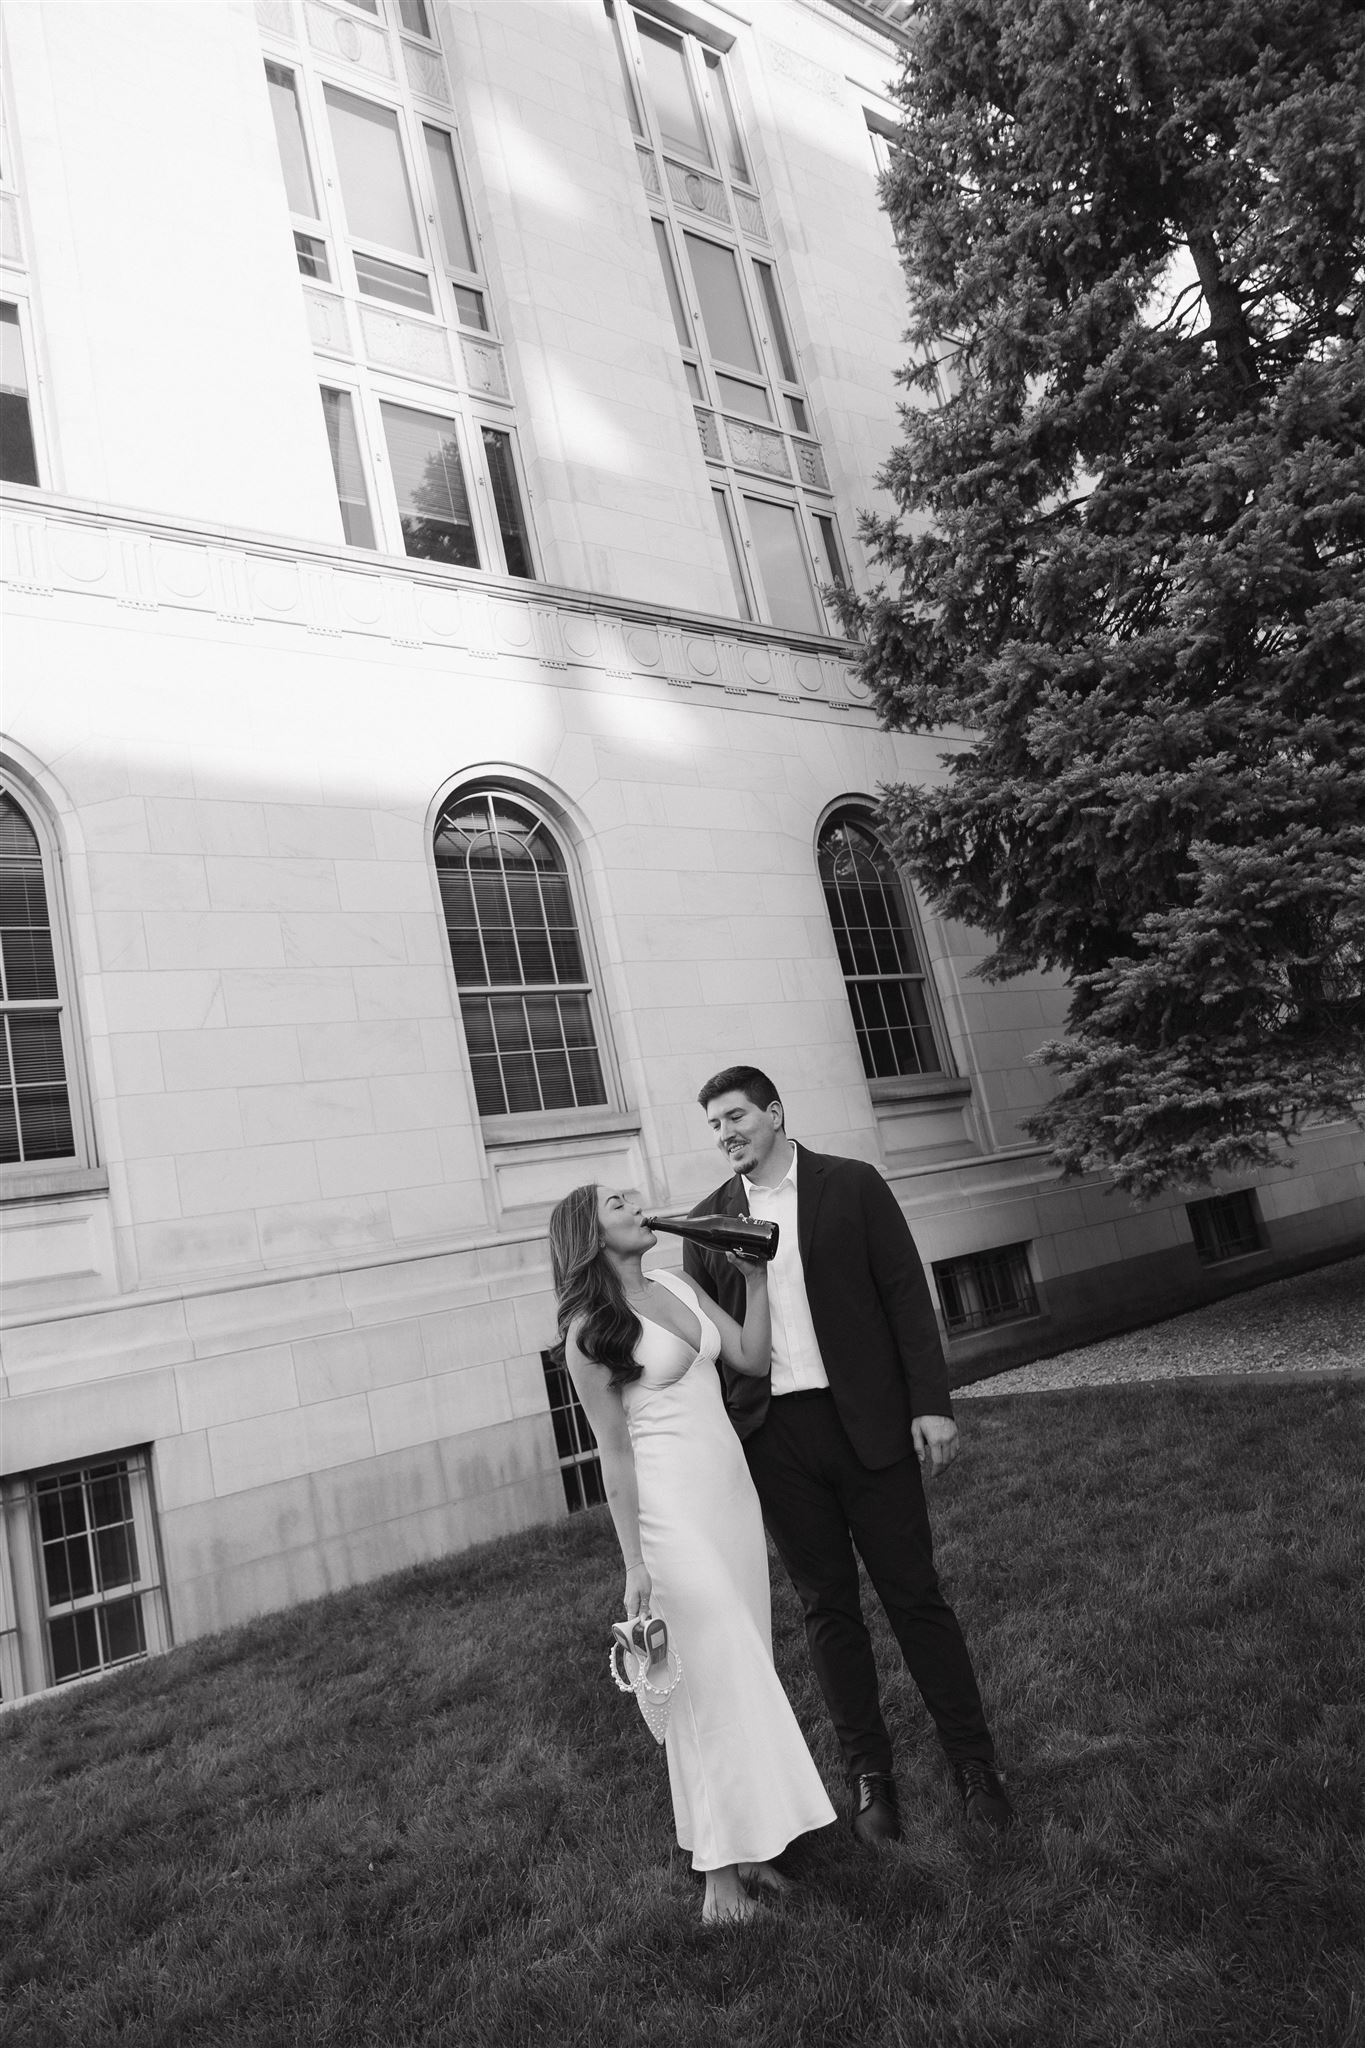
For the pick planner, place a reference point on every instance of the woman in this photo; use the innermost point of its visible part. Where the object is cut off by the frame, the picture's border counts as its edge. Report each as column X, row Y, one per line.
column 642, row 1352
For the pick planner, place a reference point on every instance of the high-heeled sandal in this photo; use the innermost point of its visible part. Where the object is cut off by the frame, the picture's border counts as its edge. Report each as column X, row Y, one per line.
column 643, row 1642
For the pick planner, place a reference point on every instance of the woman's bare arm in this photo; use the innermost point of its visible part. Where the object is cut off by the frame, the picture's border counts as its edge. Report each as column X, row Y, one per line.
column 602, row 1406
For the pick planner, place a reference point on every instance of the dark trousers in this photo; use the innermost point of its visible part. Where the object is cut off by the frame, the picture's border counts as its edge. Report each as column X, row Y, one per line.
column 819, row 1502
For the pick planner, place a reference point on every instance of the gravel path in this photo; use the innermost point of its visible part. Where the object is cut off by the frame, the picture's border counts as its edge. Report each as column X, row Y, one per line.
column 1312, row 1322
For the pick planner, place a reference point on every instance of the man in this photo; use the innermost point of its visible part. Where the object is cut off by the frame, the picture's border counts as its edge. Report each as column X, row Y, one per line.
column 856, row 1402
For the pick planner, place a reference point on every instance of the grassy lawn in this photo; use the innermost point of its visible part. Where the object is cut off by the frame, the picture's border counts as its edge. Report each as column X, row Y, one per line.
column 418, row 1813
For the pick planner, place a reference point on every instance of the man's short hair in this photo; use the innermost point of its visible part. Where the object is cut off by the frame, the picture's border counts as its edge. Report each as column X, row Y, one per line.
column 749, row 1081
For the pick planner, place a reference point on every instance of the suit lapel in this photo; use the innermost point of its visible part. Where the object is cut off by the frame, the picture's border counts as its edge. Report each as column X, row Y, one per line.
column 810, row 1186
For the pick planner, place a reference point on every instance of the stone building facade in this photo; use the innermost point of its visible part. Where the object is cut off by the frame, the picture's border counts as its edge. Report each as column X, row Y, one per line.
column 430, row 426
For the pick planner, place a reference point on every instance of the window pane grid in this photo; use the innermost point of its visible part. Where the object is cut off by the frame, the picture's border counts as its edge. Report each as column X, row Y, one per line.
column 885, row 980
column 524, row 994
column 579, row 1463
column 1225, row 1227
column 726, row 302
column 91, row 1569
column 985, row 1288
column 35, row 1103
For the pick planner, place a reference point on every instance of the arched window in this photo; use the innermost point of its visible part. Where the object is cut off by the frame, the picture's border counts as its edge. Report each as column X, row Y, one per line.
column 520, row 964
column 875, row 933
column 36, row 1118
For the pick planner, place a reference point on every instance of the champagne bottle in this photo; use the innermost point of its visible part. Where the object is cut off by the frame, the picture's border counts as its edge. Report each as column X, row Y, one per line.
column 753, row 1237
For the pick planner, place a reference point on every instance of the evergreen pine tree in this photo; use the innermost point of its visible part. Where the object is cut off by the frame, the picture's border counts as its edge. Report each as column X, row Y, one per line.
column 1129, row 546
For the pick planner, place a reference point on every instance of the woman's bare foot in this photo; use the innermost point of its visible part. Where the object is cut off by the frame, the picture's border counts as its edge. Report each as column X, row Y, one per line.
column 763, row 1877
column 726, row 1898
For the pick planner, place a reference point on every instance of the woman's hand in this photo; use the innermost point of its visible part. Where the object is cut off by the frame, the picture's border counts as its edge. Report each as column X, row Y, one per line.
column 752, row 1269
column 639, row 1587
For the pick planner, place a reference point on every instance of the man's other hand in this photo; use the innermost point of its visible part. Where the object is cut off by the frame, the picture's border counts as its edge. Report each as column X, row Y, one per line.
column 936, row 1443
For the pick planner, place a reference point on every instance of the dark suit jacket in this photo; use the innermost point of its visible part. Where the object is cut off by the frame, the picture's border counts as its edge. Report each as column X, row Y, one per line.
column 869, row 1301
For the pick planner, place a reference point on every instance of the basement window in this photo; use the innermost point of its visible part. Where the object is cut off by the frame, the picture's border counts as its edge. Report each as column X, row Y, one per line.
column 985, row 1288
column 1226, row 1227
column 579, row 1465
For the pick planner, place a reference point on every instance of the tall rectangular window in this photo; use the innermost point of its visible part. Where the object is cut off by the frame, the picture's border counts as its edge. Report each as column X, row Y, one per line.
column 310, row 247
column 829, row 541
column 377, row 197
column 671, row 92
column 344, row 445
column 682, row 327
column 720, row 276
column 525, row 997
column 35, row 1101
column 97, row 1565
column 783, row 566
column 874, row 934
column 79, row 1555
column 715, row 272
column 718, row 92
column 627, row 81
column 502, row 475
column 18, row 456
column 293, row 147
column 428, row 477
column 450, row 206
column 727, row 534
column 382, row 205
column 777, row 324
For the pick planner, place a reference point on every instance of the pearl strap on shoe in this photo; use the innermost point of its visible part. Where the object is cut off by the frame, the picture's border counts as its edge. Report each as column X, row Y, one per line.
column 654, row 1701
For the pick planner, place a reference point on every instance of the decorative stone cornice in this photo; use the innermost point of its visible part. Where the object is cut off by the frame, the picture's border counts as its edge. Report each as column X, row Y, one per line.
column 61, row 548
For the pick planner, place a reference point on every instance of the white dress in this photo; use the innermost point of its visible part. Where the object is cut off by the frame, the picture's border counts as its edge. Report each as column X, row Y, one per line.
column 742, row 1779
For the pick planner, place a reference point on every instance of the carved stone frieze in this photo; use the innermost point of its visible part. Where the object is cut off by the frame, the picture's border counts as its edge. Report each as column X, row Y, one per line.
column 343, row 595
column 28, row 556
column 339, row 35
column 139, row 574
column 710, row 436
column 751, row 217
column 484, row 368
column 696, row 191
column 393, row 343
column 231, row 585
column 426, row 74
column 757, row 448
column 810, row 464
column 327, row 323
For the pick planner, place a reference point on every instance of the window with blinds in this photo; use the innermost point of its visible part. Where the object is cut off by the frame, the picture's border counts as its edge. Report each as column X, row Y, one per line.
column 344, row 446
column 526, row 996
column 428, row 481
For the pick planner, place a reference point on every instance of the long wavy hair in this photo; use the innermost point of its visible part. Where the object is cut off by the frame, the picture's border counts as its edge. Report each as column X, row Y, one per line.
column 587, row 1290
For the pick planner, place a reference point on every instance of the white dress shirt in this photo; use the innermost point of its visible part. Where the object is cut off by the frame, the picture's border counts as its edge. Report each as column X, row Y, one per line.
column 797, row 1364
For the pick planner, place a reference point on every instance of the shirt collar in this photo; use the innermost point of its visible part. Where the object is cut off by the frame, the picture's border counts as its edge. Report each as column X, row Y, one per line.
column 789, row 1178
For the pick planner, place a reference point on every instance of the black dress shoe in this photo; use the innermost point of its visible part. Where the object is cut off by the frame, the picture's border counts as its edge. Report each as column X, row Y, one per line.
column 876, row 1810
column 984, row 1798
